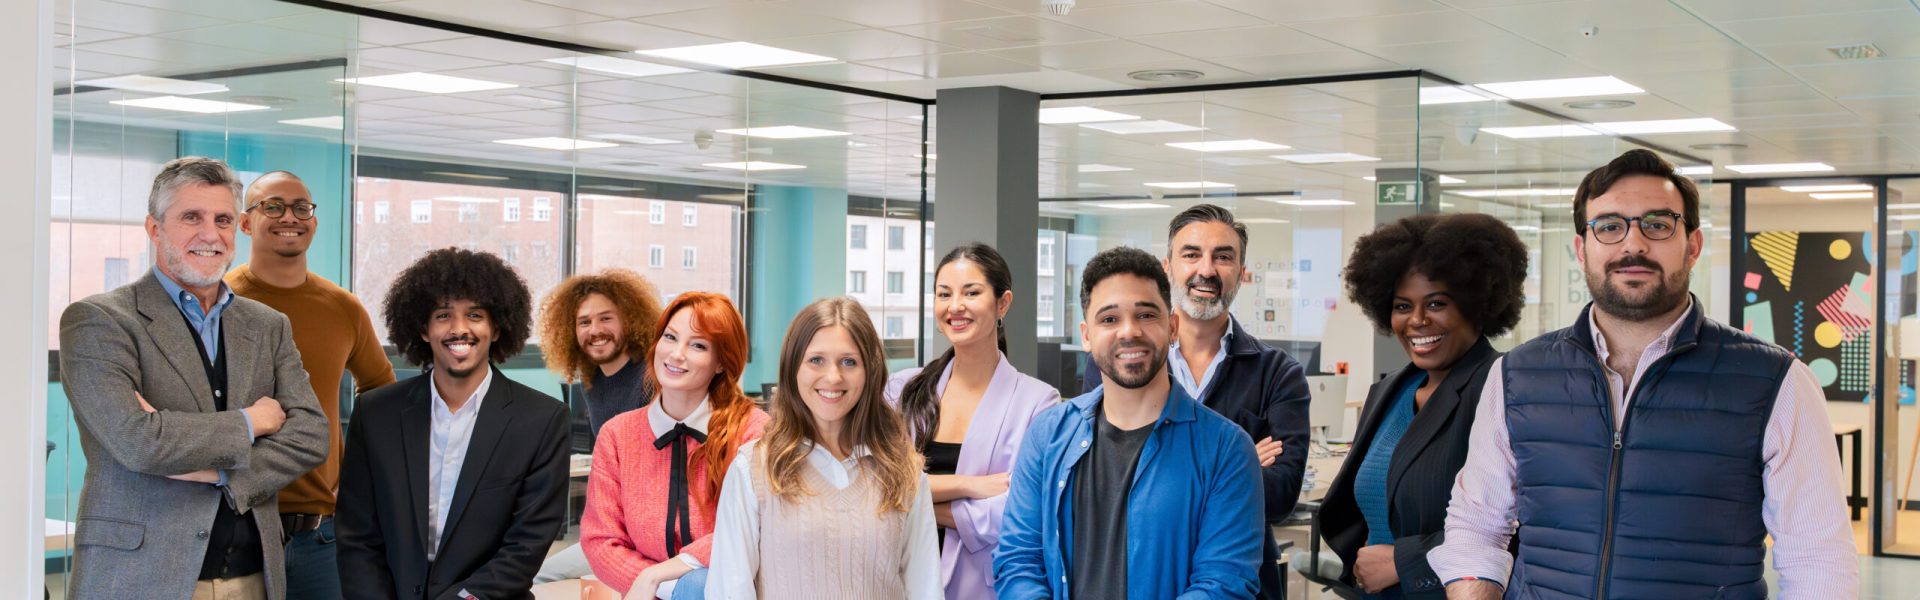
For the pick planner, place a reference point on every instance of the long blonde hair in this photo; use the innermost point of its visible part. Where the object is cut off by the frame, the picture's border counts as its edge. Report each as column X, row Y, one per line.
column 873, row 422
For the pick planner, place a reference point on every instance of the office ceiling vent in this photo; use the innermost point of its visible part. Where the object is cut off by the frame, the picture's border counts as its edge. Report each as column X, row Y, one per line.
column 1161, row 75
column 1856, row 51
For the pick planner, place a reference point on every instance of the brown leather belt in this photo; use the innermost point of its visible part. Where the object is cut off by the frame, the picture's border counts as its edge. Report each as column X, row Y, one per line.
column 292, row 523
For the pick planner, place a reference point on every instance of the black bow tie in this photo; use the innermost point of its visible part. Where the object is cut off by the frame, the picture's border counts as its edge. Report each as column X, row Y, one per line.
column 679, row 513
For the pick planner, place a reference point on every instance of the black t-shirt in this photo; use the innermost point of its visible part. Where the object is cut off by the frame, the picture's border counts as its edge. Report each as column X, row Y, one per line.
column 1101, row 485
column 611, row 395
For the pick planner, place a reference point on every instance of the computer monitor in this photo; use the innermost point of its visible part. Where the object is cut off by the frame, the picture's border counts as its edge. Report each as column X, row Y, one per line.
column 1328, row 409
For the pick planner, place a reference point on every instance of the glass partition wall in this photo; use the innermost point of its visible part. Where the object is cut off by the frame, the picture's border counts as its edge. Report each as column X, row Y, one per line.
column 413, row 138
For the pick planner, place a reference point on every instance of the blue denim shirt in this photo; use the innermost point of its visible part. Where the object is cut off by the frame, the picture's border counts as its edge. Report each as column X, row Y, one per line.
column 1194, row 513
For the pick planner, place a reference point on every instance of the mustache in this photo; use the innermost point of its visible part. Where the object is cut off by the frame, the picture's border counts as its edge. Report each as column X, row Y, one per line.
column 1635, row 260
column 1203, row 279
column 460, row 339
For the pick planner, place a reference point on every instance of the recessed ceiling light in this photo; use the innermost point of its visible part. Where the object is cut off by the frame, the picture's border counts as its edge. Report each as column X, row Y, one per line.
column 738, row 55
column 1543, row 131
column 1315, row 202
column 1561, row 88
column 556, row 143
column 1722, row 146
column 431, row 83
column 192, row 105
column 1133, row 127
column 1371, row 178
column 1781, row 168
column 1844, row 187
column 1189, row 185
column 618, row 66
column 1664, row 126
column 1064, row 115
column 1128, row 205
column 783, row 132
column 1843, row 196
column 1598, row 104
column 634, row 139
column 1454, row 94
column 1905, row 206
column 1516, row 192
column 1320, row 159
column 754, row 165
column 1695, row 170
column 854, row 144
column 1449, row 179
column 1264, row 221
column 1904, row 217
column 1100, row 168
column 155, row 85
column 1525, row 227
column 1229, row 146
column 333, row 122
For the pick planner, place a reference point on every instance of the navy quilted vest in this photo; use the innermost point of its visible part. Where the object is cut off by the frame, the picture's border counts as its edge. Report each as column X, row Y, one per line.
column 1668, row 507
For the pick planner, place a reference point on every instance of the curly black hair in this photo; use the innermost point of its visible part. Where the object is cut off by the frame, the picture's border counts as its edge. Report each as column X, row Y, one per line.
column 1123, row 260
column 457, row 274
column 1479, row 258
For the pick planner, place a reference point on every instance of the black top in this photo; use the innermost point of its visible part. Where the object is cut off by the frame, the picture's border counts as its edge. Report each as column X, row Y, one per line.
column 233, row 543
column 610, row 395
column 942, row 458
column 1102, row 482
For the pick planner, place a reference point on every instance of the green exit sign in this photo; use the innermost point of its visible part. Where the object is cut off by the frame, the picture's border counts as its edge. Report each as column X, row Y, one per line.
column 1398, row 192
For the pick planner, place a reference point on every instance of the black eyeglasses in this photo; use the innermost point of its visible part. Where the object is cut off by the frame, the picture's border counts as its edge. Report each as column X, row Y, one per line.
column 1656, row 226
column 274, row 210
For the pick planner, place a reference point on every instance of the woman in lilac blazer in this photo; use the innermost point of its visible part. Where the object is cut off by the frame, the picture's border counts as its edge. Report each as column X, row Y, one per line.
column 967, row 411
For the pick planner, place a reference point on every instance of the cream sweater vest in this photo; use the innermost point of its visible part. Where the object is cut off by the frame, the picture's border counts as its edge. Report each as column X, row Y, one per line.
column 829, row 544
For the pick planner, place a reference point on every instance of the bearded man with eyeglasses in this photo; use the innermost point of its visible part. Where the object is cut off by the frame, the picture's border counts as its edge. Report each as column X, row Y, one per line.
column 334, row 335
column 1647, row 451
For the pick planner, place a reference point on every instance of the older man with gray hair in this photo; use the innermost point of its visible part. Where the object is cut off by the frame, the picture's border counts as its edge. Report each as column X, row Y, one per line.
column 194, row 412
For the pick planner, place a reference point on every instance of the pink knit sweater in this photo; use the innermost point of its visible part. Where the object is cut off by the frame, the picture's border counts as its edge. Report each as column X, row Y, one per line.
column 624, row 529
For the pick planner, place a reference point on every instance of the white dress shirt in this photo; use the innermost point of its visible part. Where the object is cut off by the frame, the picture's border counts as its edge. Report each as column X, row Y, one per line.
column 661, row 423
column 452, row 431
column 1183, row 374
column 1804, row 509
column 736, row 533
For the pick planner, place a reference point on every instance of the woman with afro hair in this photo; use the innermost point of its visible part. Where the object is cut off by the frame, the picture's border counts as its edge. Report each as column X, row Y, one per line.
column 1441, row 285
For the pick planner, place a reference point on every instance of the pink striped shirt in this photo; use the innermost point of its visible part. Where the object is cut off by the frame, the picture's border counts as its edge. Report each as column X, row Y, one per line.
column 1805, row 510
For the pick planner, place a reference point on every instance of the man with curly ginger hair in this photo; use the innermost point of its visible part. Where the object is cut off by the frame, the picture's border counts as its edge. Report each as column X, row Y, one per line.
column 596, row 330
column 454, row 481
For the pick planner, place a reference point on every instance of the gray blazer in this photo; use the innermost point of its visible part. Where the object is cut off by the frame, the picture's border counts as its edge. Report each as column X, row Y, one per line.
column 141, row 535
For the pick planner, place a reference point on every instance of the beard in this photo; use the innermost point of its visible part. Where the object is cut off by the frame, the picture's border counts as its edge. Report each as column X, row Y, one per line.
column 1205, row 309
column 614, row 350
column 1133, row 378
column 173, row 261
column 1667, row 292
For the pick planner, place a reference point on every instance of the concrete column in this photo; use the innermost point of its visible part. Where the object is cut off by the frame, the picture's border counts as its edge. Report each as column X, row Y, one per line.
column 987, row 190
column 26, row 39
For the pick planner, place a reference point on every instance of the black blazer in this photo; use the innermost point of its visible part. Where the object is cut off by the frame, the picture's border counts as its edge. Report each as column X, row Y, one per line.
column 507, row 507
column 1420, row 480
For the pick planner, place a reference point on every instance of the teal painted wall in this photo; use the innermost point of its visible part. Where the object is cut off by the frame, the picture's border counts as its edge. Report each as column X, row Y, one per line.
column 323, row 163
column 799, row 255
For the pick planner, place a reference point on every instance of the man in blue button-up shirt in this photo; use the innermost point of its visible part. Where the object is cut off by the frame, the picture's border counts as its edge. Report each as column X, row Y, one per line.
column 1134, row 490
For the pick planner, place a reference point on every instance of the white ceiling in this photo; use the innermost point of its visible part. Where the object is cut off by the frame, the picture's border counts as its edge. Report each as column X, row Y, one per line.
column 1759, row 65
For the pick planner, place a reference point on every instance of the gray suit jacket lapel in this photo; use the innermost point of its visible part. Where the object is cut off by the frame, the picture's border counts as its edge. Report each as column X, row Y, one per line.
column 169, row 331
column 243, row 351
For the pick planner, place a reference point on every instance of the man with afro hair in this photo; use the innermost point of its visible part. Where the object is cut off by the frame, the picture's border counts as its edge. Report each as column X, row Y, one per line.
column 453, row 481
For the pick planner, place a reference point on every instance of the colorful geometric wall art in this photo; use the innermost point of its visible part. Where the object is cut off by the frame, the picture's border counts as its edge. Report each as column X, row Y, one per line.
column 1811, row 293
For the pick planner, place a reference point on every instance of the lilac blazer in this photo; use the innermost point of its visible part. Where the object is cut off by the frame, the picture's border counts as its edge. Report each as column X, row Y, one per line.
column 991, row 444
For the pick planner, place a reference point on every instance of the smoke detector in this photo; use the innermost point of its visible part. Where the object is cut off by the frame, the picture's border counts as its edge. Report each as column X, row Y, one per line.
column 1058, row 7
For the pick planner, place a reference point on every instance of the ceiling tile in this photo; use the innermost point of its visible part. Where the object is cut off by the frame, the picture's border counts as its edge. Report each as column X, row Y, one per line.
column 407, row 59
column 140, row 20
column 1158, row 17
column 863, row 44
column 963, row 64
column 1733, row 10
column 1804, row 40
column 845, row 73
column 499, row 50
column 632, row 90
column 1611, row 17
column 200, row 56
column 1247, row 41
column 1214, row 73
column 1007, row 32
column 1088, row 55
column 381, row 32
column 1311, row 63
column 624, row 35
column 1301, row 11
column 627, row 9
column 502, row 15
column 757, row 22
column 1878, row 77
column 1366, row 33
column 895, row 14
column 266, row 41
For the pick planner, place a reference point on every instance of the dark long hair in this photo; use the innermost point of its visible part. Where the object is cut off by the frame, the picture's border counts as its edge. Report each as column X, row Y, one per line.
column 920, row 402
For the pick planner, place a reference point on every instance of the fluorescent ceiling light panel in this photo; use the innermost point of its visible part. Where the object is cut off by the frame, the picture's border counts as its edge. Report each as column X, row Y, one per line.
column 1320, row 159
column 556, row 143
column 1556, row 205
column 431, row 83
column 754, row 165
column 1229, row 146
column 1905, row 206
column 1525, row 227
column 1516, row 192
column 1781, row 168
column 192, row 105
column 1189, row 185
column 1134, row 127
column 1695, row 170
column 738, row 55
column 634, row 139
column 1842, row 196
column 333, row 122
column 155, row 85
column 1064, row 115
column 1315, row 202
column 1451, row 94
column 783, row 132
column 1100, row 168
column 1543, row 131
column 1370, row 178
column 1444, row 179
column 1128, row 205
column 1845, row 187
column 618, row 66
column 1664, row 126
column 1905, row 217
column 1561, row 88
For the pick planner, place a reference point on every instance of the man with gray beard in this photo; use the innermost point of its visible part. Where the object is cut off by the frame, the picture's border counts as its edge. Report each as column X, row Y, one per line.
column 1258, row 387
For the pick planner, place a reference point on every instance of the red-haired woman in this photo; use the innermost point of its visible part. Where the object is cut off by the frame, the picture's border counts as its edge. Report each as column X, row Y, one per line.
column 657, row 471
